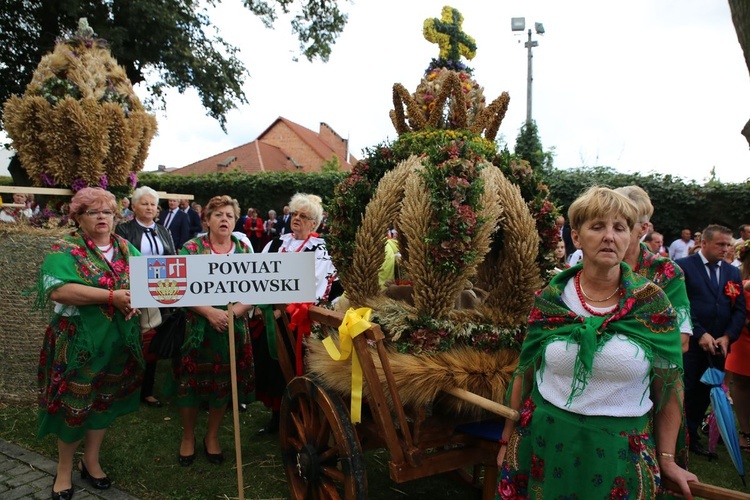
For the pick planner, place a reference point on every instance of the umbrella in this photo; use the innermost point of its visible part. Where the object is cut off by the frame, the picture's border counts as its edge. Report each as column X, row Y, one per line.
column 713, row 377
column 713, row 433
column 712, row 428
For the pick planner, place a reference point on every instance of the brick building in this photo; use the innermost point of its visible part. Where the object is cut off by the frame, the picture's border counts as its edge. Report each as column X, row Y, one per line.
column 284, row 146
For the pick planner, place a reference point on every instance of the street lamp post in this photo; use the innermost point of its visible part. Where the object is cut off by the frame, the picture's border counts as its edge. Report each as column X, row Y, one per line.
column 519, row 24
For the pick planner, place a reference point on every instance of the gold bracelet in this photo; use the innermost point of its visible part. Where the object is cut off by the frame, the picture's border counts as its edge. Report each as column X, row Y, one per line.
column 665, row 454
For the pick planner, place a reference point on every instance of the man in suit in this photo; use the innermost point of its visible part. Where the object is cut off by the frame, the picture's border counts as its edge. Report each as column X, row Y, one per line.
column 177, row 222
column 286, row 221
column 717, row 310
column 194, row 218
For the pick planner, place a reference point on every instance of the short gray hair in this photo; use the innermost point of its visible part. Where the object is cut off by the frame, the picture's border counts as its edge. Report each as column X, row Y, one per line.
column 144, row 190
column 310, row 203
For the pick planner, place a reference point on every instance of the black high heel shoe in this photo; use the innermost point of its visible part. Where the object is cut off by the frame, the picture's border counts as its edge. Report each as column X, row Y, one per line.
column 186, row 460
column 64, row 494
column 272, row 427
column 152, row 404
column 214, row 458
column 100, row 483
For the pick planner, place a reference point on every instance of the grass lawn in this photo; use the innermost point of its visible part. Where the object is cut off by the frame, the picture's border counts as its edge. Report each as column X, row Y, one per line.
column 140, row 455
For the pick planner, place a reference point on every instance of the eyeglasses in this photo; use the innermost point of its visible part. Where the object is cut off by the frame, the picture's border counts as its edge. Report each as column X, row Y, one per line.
column 96, row 213
column 300, row 215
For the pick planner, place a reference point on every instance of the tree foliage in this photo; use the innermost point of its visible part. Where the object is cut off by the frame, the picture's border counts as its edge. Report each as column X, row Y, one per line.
column 529, row 147
column 165, row 43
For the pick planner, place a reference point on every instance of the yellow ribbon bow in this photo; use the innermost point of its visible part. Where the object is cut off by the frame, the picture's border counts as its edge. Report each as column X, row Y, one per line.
column 355, row 322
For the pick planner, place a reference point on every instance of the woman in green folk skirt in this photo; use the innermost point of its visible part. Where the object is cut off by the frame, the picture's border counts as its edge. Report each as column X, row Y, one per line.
column 598, row 383
column 91, row 365
column 202, row 370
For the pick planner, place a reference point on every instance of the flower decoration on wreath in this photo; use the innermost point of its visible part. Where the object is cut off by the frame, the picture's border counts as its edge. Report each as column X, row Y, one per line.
column 464, row 231
column 79, row 123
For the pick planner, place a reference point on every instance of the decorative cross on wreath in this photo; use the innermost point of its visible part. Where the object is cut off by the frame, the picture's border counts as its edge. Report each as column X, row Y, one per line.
column 446, row 32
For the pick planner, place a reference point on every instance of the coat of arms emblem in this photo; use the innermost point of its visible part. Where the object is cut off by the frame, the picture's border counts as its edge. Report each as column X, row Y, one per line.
column 167, row 278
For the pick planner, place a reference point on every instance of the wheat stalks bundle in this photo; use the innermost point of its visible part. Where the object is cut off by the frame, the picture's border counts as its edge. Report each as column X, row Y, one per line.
column 361, row 282
column 511, row 276
column 420, row 380
column 491, row 117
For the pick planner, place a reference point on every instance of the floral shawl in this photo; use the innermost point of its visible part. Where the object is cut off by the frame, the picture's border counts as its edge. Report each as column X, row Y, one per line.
column 644, row 314
column 76, row 259
column 197, row 324
column 669, row 277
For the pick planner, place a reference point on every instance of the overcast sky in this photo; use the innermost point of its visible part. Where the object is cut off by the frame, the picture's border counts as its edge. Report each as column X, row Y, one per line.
column 641, row 86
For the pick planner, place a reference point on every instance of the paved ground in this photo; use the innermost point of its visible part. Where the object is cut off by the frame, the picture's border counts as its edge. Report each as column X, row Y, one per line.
column 25, row 474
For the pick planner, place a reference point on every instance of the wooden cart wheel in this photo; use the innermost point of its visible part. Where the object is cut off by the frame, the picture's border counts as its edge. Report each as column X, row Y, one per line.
column 321, row 453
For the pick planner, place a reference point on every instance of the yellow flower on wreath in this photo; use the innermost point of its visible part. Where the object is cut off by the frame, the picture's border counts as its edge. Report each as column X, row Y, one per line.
column 446, row 32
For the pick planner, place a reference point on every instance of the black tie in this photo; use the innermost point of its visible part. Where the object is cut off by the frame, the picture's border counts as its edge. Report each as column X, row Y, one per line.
column 713, row 267
column 169, row 219
column 151, row 237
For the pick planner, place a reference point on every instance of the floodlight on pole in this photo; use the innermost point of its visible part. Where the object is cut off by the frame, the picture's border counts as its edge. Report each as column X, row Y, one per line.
column 519, row 24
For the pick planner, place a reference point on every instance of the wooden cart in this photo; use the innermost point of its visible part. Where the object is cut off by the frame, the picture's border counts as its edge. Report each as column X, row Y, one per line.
column 323, row 451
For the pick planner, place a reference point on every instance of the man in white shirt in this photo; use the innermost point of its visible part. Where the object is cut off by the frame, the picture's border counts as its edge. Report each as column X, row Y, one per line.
column 681, row 248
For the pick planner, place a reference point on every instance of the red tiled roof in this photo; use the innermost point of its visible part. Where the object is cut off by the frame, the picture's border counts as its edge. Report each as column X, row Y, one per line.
column 252, row 157
column 312, row 139
column 260, row 156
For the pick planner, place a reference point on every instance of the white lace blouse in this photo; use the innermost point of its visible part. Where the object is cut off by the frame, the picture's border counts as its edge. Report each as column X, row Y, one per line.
column 619, row 384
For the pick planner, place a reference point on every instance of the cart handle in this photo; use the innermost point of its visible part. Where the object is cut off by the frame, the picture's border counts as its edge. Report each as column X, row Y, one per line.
column 707, row 491
column 484, row 403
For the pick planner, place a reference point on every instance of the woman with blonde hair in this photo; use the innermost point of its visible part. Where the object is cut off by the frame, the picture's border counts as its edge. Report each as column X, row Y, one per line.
column 661, row 270
column 598, row 383
column 306, row 212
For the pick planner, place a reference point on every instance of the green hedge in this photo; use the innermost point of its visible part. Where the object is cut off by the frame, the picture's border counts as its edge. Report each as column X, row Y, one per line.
column 263, row 191
column 677, row 203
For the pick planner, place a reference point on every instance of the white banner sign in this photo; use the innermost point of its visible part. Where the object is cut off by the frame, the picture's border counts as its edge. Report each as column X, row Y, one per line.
column 214, row 280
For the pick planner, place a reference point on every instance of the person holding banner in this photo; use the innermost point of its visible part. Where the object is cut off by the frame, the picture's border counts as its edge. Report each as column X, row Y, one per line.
column 306, row 212
column 90, row 364
column 149, row 238
column 202, row 370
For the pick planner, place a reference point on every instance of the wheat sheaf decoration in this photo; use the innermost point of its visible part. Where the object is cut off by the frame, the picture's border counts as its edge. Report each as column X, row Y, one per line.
column 448, row 96
column 79, row 123
column 449, row 318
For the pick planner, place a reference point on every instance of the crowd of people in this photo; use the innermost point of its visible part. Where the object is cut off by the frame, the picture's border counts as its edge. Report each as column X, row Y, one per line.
column 615, row 347
column 96, row 363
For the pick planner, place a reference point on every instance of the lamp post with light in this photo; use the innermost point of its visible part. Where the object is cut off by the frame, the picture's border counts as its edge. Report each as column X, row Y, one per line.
column 519, row 24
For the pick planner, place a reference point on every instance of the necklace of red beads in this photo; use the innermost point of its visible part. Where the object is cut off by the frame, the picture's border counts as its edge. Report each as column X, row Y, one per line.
column 588, row 309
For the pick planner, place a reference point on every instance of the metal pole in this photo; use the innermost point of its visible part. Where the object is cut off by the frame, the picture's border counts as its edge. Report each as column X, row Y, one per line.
column 529, row 45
